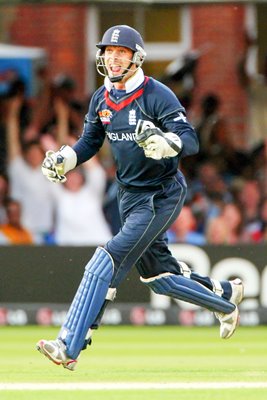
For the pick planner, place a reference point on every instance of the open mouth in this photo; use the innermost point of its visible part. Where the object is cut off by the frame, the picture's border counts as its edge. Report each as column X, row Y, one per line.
column 115, row 69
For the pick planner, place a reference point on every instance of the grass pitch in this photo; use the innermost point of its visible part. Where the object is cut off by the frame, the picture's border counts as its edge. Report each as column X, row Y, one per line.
column 196, row 360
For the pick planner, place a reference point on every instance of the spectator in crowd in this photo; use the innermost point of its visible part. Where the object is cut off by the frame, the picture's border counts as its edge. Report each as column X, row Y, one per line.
column 226, row 228
column 255, row 83
column 42, row 203
column 207, row 194
column 4, row 191
column 55, row 116
column 263, row 224
column 209, row 181
column 64, row 88
column 15, row 87
column 212, row 130
column 83, row 192
column 58, row 133
column 180, row 76
column 216, row 231
column 13, row 232
column 3, row 159
column 216, row 140
column 248, row 197
column 27, row 183
column 183, row 230
column 61, row 90
column 233, row 217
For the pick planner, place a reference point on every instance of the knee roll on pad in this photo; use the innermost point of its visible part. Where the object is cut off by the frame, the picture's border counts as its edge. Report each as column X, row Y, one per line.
column 87, row 301
column 186, row 289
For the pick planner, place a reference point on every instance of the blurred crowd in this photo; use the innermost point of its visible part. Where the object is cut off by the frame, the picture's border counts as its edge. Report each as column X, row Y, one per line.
column 227, row 186
column 32, row 210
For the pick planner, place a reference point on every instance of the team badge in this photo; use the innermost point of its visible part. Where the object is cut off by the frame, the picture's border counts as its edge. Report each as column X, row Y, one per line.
column 105, row 116
column 132, row 117
column 115, row 36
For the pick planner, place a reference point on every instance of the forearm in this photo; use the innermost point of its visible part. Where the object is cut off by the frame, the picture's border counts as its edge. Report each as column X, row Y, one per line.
column 13, row 129
column 86, row 147
column 190, row 142
column 183, row 128
column 62, row 128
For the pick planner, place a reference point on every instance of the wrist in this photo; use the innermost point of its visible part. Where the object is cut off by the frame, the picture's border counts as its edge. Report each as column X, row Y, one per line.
column 69, row 158
column 174, row 141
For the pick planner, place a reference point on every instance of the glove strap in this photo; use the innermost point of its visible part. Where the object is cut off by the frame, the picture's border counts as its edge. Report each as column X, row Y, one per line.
column 173, row 141
column 69, row 158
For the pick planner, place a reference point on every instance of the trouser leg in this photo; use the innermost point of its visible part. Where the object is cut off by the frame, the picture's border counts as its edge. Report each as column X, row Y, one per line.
column 145, row 218
column 158, row 260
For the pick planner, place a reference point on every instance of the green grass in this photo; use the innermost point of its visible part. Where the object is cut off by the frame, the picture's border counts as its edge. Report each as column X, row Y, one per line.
column 140, row 354
column 237, row 394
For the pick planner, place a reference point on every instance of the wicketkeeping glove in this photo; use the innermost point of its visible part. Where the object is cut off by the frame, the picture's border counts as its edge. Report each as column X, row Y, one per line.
column 157, row 144
column 57, row 164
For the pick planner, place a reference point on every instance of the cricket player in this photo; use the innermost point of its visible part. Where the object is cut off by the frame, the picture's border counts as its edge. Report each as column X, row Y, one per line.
column 148, row 132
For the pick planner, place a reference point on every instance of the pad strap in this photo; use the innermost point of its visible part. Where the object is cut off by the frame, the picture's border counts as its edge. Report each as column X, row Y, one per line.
column 185, row 270
column 217, row 287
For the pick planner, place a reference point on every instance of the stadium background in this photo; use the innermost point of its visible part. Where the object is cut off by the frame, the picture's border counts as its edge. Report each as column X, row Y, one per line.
column 30, row 275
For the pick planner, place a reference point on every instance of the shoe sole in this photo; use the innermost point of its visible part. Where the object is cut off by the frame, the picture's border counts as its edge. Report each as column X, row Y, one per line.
column 235, row 325
column 236, row 302
column 41, row 349
column 68, row 365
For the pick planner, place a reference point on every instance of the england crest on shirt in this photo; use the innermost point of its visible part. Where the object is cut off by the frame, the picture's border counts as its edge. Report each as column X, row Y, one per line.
column 132, row 117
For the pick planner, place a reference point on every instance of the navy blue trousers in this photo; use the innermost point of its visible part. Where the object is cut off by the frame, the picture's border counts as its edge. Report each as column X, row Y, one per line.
column 142, row 240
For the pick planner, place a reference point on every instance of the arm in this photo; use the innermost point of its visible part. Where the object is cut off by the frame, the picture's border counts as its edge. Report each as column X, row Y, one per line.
column 186, row 132
column 57, row 164
column 42, row 106
column 13, row 128
column 180, row 139
column 167, row 113
column 62, row 116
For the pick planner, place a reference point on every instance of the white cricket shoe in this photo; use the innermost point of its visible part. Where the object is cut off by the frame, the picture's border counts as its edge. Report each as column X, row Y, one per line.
column 229, row 322
column 55, row 350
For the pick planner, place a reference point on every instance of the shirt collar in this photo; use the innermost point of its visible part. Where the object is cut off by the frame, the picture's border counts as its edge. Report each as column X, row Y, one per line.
column 131, row 84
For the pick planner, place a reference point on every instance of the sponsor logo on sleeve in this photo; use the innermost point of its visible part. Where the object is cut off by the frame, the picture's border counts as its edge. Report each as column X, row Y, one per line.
column 105, row 116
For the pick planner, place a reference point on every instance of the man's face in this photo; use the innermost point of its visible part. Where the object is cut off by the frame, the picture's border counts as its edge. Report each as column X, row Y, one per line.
column 117, row 60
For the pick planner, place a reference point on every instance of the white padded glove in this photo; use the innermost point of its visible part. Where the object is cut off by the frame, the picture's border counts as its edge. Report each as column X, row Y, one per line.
column 57, row 164
column 159, row 147
column 157, row 144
